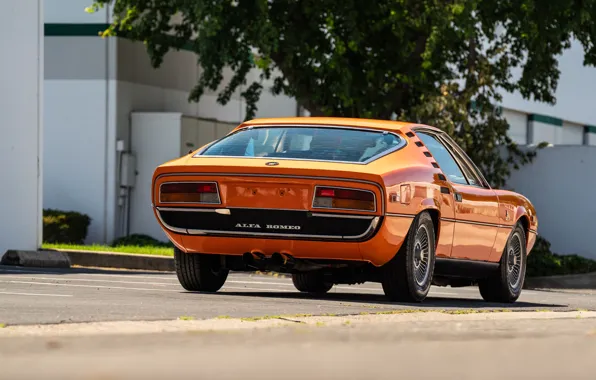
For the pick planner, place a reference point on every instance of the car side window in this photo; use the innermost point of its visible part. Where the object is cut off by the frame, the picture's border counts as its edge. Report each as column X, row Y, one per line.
column 444, row 158
column 471, row 170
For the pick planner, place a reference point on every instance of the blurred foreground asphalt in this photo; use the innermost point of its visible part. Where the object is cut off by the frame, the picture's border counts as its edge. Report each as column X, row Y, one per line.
column 405, row 348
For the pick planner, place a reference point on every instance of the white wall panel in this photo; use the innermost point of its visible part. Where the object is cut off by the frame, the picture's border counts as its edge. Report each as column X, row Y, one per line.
column 591, row 139
column 71, row 11
column 561, row 188
column 518, row 125
column 233, row 112
column 156, row 139
column 539, row 132
column 570, row 134
column 21, row 124
column 75, row 143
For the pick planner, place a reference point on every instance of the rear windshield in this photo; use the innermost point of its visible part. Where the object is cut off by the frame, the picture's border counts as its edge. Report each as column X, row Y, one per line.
column 306, row 143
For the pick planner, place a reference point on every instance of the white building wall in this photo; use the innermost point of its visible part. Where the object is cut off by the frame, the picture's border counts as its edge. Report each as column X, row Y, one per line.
column 73, row 12
column 80, row 130
column 570, row 134
column 93, row 85
column 560, row 183
column 542, row 129
column 157, row 138
column 590, row 136
column 21, row 124
column 74, row 155
column 518, row 125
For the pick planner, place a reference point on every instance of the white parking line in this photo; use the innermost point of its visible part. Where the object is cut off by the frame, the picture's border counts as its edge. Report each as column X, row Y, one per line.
column 292, row 285
column 86, row 286
column 160, row 276
column 124, row 288
column 259, row 289
column 36, row 294
column 35, row 279
column 67, row 279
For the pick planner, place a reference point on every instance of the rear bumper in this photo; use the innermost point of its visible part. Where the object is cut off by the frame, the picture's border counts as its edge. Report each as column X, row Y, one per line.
column 377, row 243
column 268, row 223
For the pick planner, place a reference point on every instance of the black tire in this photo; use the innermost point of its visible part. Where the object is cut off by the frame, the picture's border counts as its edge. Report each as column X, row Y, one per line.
column 311, row 282
column 199, row 272
column 505, row 286
column 408, row 276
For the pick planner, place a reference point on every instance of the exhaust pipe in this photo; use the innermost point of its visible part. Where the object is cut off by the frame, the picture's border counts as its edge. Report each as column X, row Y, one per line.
column 283, row 262
column 254, row 260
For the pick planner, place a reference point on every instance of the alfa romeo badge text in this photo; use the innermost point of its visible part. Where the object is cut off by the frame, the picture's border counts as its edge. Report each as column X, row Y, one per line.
column 268, row 226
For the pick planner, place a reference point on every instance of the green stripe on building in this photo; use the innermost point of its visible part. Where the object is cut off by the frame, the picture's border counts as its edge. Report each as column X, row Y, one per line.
column 74, row 30
column 86, row 30
column 546, row 119
column 590, row 129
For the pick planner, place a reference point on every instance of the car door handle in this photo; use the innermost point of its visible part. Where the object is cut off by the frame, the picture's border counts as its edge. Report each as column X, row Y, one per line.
column 457, row 197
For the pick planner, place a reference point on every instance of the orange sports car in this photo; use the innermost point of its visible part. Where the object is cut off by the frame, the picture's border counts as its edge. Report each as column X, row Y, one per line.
column 343, row 201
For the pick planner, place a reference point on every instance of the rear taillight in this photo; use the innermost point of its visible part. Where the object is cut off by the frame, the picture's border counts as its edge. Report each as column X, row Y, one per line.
column 189, row 192
column 344, row 199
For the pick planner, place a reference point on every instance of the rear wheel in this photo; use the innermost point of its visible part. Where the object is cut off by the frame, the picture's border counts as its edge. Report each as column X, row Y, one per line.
column 408, row 276
column 311, row 282
column 199, row 272
column 506, row 285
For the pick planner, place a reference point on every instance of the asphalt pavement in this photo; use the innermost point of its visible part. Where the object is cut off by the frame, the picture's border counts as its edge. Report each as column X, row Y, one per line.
column 144, row 325
column 48, row 296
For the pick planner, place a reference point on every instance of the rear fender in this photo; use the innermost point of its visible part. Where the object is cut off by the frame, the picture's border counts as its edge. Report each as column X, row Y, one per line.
column 412, row 198
column 432, row 206
column 524, row 217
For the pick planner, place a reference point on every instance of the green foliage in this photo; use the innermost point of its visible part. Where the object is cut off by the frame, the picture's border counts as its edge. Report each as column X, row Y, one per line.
column 64, row 226
column 140, row 240
column 421, row 60
column 542, row 262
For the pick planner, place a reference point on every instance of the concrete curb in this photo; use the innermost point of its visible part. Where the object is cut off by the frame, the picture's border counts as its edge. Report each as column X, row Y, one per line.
column 572, row 281
column 64, row 258
column 43, row 259
column 132, row 261
column 121, row 260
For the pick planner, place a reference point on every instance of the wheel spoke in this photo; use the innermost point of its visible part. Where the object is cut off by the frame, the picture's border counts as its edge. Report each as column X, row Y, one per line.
column 514, row 260
column 422, row 254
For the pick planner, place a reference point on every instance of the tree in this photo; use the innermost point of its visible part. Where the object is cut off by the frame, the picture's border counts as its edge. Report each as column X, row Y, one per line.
column 443, row 62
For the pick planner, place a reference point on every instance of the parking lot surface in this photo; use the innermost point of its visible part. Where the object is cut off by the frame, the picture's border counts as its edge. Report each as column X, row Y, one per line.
column 47, row 296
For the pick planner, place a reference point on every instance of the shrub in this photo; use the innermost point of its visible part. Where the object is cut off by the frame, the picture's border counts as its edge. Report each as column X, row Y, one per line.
column 542, row 262
column 140, row 240
column 67, row 227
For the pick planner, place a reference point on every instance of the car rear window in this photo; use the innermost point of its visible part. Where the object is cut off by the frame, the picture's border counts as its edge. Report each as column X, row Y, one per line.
column 306, row 143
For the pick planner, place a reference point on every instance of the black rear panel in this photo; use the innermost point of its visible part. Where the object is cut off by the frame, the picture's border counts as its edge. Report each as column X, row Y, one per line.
column 271, row 223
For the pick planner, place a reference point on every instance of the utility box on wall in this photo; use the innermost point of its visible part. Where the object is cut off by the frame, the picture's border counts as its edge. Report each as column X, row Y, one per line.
column 158, row 137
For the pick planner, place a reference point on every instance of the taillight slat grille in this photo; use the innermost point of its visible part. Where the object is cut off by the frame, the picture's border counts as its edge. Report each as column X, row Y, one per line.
column 344, row 199
column 189, row 192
